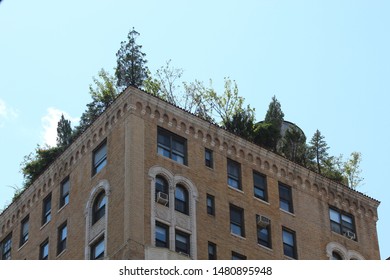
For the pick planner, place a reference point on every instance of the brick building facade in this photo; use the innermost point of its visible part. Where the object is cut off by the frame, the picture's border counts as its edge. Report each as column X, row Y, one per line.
column 148, row 180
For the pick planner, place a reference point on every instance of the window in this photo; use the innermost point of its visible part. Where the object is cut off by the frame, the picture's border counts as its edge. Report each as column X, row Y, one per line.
column 285, row 198
column 342, row 223
column 237, row 221
column 237, row 256
column 5, row 247
column 62, row 237
column 260, row 186
column 212, row 249
column 263, row 233
column 289, row 243
column 181, row 199
column 172, row 146
column 44, row 250
column 336, row 256
column 162, row 191
column 99, row 158
column 210, row 205
column 46, row 210
column 208, row 158
column 99, row 207
column 64, row 196
column 97, row 249
column 234, row 174
column 182, row 242
column 162, row 235
column 24, row 231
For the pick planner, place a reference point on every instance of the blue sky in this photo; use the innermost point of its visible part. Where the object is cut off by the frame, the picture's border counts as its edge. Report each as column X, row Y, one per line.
column 327, row 62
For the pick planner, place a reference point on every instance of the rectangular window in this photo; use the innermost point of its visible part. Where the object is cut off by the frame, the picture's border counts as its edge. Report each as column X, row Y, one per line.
column 263, row 232
column 210, row 205
column 289, row 243
column 208, row 158
column 237, row 256
column 97, row 249
column 5, row 247
column 99, row 158
column 62, row 237
column 285, row 198
column 212, row 250
column 234, row 174
column 46, row 209
column 237, row 221
column 342, row 223
column 44, row 250
column 182, row 242
column 24, row 231
column 172, row 146
column 64, row 197
column 162, row 235
column 260, row 186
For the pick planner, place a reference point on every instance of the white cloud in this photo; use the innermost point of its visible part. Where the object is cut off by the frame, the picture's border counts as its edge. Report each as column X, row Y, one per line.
column 6, row 112
column 50, row 122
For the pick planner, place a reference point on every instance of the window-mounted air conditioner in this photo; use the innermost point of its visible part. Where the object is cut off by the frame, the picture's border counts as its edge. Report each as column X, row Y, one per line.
column 350, row 235
column 162, row 198
column 262, row 221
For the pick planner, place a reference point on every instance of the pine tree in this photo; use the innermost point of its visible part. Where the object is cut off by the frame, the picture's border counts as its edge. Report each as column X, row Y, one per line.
column 64, row 132
column 131, row 63
column 319, row 149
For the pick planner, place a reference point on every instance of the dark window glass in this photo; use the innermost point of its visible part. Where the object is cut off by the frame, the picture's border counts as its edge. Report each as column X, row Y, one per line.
column 289, row 243
column 181, row 199
column 285, row 198
column 208, row 158
column 99, row 207
column 342, row 223
column 24, row 230
column 336, row 256
column 182, row 242
column 212, row 250
column 46, row 210
column 5, row 247
column 237, row 221
column 260, row 186
column 65, row 187
column 99, row 158
column 162, row 191
column 97, row 249
column 234, row 174
column 263, row 234
column 44, row 250
column 172, row 146
column 237, row 256
column 210, row 205
column 162, row 235
column 62, row 237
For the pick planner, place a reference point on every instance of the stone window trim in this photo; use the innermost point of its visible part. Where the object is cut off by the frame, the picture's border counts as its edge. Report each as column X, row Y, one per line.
column 172, row 216
column 342, row 251
column 95, row 231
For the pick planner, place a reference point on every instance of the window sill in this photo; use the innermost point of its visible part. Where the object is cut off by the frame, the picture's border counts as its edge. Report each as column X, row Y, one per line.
column 171, row 160
column 23, row 245
column 237, row 236
column 262, row 201
column 61, row 254
column 237, row 190
column 289, row 258
column 59, row 210
column 289, row 213
column 265, row 247
column 44, row 225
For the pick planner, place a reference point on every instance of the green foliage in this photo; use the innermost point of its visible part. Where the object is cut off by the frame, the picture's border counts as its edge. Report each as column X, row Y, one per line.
column 319, row 148
column 35, row 163
column 242, row 123
column 131, row 63
column 294, row 146
column 64, row 132
column 352, row 171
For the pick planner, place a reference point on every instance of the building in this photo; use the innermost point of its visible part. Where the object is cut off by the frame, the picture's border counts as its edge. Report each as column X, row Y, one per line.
column 148, row 180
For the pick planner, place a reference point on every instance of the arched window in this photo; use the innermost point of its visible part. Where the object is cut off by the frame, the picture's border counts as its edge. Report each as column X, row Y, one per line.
column 162, row 191
column 336, row 256
column 181, row 199
column 99, row 207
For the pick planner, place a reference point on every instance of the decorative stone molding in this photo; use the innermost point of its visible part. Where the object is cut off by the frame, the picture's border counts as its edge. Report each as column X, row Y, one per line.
column 342, row 251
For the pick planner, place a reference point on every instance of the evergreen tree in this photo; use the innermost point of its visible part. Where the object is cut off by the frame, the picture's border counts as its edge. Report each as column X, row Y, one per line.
column 131, row 63
column 294, row 146
column 242, row 124
column 319, row 148
column 64, row 132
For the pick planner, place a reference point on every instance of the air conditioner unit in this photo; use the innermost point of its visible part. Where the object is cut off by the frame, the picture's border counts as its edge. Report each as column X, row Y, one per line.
column 350, row 235
column 262, row 221
column 162, row 198
column 184, row 254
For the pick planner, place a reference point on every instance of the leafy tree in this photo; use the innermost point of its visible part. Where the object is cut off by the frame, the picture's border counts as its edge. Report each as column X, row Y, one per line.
column 64, row 132
column 352, row 170
column 294, row 146
column 131, row 63
column 319, row 149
